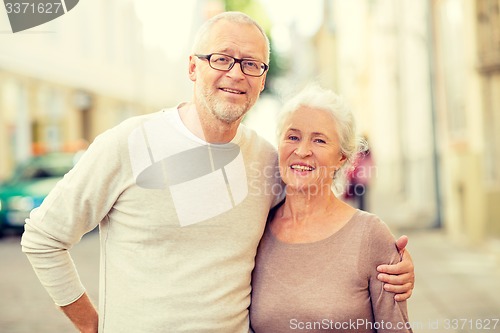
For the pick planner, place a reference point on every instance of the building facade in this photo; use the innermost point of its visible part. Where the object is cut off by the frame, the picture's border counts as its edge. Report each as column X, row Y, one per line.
column 379, row 62
column 467, row 76
column 423, row 78
column 63, row 83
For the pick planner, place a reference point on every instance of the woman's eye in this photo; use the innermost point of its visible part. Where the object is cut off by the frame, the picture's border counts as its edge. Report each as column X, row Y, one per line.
column 319, row 141
column 293, row 137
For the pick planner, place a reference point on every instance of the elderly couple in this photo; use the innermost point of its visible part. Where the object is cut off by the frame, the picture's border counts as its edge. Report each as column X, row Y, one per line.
column 188, row 245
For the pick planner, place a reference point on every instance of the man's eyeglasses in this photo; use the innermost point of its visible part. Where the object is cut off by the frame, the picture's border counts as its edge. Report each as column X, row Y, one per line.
column 223, row 62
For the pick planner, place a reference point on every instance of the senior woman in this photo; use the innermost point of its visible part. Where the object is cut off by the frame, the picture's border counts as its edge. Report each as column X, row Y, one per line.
column 316, row 264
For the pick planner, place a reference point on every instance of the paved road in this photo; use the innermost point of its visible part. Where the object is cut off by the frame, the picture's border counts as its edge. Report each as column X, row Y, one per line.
column 25, row 307
column 457, row 288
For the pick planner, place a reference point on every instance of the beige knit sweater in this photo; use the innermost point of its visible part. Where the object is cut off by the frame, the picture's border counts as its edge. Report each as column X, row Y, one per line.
column 180, row 222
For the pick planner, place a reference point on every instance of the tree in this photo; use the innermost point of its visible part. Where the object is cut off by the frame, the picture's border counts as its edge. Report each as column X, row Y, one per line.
column 255, row 10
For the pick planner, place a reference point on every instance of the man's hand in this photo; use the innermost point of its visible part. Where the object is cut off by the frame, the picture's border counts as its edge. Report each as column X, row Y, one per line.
column 400, row 277
column 83, row 314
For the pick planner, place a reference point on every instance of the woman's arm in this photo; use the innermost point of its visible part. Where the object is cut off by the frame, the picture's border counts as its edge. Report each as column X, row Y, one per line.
column 393, row 316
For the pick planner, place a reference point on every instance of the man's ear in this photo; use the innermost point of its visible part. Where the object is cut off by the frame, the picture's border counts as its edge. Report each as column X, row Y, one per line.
column 263, row 84
column 192, row 68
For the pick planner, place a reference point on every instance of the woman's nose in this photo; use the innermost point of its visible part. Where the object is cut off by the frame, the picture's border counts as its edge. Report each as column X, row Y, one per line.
column 303, row 150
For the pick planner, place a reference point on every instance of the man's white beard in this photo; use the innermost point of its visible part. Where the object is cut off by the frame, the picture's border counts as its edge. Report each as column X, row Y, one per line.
column 227, row 112
column 222, row 110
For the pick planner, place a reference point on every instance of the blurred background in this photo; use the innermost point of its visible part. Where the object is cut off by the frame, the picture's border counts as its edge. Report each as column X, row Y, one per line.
column 421, row 76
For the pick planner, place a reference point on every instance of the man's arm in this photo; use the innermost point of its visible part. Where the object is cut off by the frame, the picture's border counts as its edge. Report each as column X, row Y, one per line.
column 400, row 277
column 73, row 207
column 82, row 314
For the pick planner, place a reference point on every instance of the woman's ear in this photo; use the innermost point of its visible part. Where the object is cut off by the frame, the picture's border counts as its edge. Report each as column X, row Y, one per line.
column 342, row 161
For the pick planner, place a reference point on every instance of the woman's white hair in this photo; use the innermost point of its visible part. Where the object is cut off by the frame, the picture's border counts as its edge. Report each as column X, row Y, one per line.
column 315, row 97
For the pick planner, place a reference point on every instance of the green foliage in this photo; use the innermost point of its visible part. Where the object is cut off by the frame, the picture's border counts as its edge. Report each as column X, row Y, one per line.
column 255, row 10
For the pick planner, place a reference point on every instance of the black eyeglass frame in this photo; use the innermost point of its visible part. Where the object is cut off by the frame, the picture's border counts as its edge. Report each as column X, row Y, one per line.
column 236, row 60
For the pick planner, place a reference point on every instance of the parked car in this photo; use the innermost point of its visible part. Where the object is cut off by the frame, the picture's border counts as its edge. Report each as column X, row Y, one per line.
column 29, row 185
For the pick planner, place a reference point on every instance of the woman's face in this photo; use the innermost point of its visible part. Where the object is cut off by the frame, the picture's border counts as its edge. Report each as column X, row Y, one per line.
column 309, row 151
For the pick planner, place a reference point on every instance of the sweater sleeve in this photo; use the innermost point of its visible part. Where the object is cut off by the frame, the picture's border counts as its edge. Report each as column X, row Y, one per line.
column 389, row 315
column 74, row 207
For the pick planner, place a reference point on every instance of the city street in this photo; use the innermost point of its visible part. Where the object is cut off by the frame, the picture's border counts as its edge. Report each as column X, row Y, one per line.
column 457, row 289
column 25, row 307
column 413, row 88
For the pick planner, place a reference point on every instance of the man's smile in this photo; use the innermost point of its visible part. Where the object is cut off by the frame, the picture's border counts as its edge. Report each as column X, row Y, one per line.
column 232, row 91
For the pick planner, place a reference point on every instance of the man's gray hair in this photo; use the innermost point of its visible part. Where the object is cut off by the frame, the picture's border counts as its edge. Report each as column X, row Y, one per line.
column 235, row 17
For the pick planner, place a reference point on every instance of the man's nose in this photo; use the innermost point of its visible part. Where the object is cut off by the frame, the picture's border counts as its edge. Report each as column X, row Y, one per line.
column 236, row 70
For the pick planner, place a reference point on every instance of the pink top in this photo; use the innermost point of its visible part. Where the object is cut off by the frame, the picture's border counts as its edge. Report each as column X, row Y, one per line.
column 327, row 286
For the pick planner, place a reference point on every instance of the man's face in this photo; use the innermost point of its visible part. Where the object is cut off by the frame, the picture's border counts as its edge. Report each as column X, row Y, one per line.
column 227, row 96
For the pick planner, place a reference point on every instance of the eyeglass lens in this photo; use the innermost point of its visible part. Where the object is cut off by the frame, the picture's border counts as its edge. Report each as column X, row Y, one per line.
column 225, row 62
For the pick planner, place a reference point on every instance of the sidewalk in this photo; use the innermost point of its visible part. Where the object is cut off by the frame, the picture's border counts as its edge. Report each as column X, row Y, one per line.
column 457, row 289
